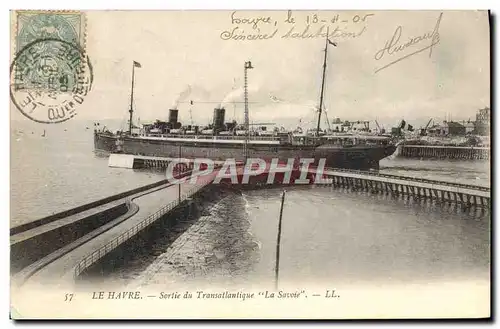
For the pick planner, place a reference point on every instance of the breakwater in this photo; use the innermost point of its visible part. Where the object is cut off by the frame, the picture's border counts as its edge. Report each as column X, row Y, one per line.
column 444, row 192
column 80, row 209
column 35, row 240
column 443, row 152
column 28, row 248
column 170, row 240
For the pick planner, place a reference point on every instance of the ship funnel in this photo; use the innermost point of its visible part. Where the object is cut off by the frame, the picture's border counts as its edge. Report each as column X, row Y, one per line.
column 173, row 116
column 219, row 114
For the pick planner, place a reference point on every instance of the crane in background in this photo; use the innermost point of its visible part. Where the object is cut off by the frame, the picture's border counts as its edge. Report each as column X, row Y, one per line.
column 423, row 131
column 399, row 130
column 191, row 112
column 380, row 130
column 428, row 123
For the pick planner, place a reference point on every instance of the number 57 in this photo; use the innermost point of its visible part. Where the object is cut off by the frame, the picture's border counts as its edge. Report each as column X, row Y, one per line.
column 68, row 297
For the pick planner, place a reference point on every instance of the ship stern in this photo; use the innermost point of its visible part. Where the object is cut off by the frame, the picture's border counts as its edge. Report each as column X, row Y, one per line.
column 357, row 158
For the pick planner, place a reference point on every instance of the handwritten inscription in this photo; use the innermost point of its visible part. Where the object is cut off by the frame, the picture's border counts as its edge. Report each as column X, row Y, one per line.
column 295, row 26
column 308, row 33
column 240, row 34
column 252, row 21
column 393, row 46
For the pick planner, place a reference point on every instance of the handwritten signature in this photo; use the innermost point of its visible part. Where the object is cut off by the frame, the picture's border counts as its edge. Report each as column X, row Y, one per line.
column 392, row 46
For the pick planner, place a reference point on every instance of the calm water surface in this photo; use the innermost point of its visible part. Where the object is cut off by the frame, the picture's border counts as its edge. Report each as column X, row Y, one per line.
column 60, row 171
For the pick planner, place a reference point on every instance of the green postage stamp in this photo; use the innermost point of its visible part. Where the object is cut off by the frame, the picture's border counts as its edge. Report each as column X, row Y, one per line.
column 36, row 25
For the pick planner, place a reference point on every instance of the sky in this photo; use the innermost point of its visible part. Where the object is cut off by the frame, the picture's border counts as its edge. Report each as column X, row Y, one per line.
column 185, row 50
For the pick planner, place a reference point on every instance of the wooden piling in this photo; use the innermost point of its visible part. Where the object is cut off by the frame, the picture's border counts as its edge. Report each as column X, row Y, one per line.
column 278, row 242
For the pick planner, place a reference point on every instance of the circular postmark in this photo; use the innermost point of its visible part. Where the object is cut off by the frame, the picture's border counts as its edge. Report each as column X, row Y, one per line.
column 49, row 79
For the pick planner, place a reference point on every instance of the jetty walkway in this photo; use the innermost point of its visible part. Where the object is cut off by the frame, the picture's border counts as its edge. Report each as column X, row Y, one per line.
column 59, row 267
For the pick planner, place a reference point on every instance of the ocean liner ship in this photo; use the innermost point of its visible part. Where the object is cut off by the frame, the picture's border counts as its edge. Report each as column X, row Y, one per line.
column 220, row 140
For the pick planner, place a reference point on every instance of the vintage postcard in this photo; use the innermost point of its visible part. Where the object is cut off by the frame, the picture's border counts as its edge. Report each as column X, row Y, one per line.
column 235, row 164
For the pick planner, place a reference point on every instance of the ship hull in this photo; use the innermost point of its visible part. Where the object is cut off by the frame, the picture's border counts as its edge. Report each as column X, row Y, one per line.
column 355, row 157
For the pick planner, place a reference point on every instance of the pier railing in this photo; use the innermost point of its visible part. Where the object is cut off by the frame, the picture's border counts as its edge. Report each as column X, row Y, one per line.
column 92, row 258
column 409, row 178
column 468, row 198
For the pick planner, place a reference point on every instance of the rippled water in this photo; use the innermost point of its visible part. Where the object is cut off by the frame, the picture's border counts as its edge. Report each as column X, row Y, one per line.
column 332, row 235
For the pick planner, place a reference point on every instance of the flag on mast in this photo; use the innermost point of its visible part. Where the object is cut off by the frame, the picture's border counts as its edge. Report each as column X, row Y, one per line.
column 137, row 64
column 332, row 43
column 275, row 99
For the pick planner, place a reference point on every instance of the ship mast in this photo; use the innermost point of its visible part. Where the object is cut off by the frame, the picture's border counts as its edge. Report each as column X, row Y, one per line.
column 131, row 111
column 322, row 82
column 248, row 65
